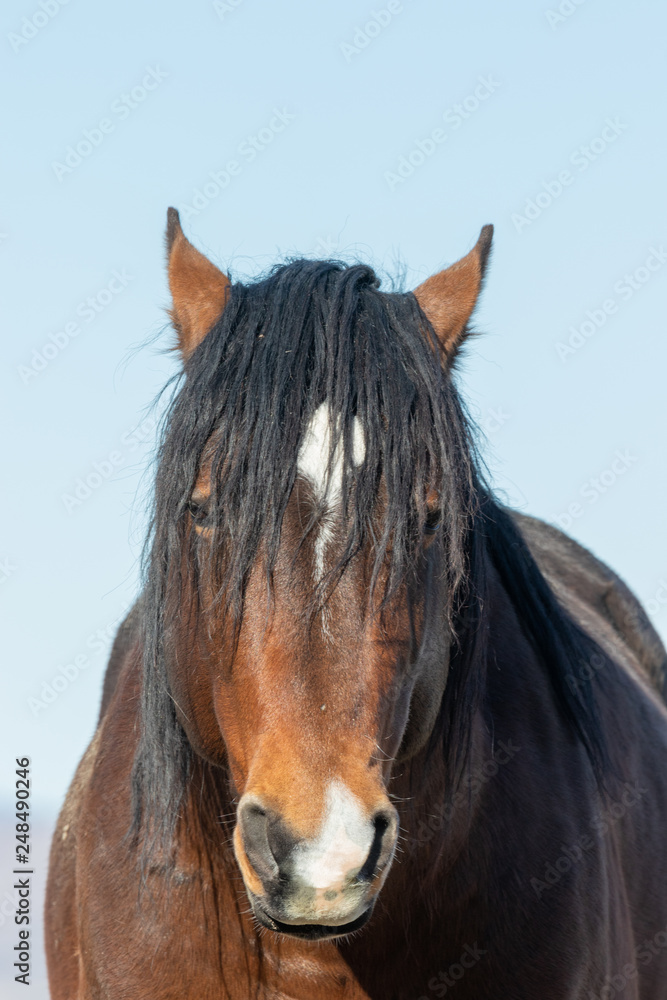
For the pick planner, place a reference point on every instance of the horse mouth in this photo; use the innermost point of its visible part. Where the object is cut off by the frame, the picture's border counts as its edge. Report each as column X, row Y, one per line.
column 311, row 932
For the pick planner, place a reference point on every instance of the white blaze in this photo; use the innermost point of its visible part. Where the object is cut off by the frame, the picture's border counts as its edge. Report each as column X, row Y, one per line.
column 312, row 462
column 314, row 454
column 342, row 845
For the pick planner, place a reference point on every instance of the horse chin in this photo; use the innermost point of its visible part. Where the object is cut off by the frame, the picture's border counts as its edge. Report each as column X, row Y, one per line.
column 310, row 932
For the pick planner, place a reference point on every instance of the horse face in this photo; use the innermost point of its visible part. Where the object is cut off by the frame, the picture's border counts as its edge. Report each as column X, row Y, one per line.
column 307, row 702
column 312, row 706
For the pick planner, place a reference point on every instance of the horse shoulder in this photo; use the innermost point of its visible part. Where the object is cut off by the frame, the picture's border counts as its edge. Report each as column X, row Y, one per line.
column 63, row 947
column 77, row 825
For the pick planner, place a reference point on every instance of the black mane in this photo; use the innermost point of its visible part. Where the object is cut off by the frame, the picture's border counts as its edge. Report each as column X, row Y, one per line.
column 312, row 331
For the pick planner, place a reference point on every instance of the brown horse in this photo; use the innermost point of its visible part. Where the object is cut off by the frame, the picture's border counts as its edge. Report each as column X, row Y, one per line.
column 366, row 733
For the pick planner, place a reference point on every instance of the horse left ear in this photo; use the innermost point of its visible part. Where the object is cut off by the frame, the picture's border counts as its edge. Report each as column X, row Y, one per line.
column 199, row 289
column 448, row 299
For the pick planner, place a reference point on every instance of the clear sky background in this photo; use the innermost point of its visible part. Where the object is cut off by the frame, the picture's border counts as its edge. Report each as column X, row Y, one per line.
column 549, row 124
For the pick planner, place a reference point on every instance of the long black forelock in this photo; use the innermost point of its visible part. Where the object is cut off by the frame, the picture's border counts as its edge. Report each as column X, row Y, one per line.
column 312, row 332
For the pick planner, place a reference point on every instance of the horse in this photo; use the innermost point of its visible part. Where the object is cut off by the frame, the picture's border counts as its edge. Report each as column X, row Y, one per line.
column 367, row 732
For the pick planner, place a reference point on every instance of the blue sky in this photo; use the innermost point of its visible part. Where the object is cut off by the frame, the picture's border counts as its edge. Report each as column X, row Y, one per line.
column 390, row 133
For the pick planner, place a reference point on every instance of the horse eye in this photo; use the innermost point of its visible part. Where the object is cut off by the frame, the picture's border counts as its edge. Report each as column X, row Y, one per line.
column 432, row 522
column 198, row 511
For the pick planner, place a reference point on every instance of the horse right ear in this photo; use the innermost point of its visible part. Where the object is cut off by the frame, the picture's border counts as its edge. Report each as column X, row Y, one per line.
column 199, row 289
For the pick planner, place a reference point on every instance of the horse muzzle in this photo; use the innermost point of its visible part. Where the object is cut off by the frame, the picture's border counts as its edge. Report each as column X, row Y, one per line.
column 316, row 887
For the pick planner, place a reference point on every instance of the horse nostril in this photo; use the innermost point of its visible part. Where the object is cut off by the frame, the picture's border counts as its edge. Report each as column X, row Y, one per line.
column 253, row 821
column 383, row 821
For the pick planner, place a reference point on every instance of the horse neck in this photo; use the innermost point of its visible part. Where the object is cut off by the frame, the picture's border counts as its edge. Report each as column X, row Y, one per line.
column 446, row 811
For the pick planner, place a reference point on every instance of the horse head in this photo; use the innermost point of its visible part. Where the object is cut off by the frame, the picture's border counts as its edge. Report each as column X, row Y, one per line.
column 313, row 536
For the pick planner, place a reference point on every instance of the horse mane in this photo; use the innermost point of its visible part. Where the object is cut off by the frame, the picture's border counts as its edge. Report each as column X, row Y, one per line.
column 558, row 641
column 311, row 331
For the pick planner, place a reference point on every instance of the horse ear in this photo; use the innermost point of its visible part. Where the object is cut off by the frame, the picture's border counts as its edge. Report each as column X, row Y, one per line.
column 448, row 299
column 198, row 289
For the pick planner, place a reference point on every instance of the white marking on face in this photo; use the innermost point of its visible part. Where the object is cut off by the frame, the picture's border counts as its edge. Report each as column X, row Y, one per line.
column 342, row 845
column 314, row 454
column 312, row 462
